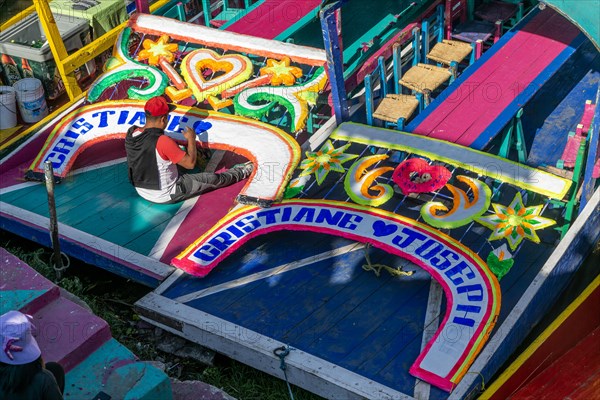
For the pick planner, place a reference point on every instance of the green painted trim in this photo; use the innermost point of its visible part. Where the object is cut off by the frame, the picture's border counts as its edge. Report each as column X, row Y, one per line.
column 235, row 19
column 297, row 26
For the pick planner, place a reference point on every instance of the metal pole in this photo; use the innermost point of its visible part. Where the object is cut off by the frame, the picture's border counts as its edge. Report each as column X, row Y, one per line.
column 335, row 65
column 56, row 257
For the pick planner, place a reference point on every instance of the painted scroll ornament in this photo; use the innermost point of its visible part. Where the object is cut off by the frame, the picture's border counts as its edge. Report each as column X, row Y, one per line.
column 463, row 210
column 294, row 98
column 281, row 72
column 154, row 51
column 326, row 159
column 128, row 69
column 236, row 69
column 500, row 261
column 515, row 222
column 359, row 182
column 415, row 175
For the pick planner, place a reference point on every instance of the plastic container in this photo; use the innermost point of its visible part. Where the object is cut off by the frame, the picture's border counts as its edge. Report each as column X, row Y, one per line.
column 31, row 100
column 25, row 52
column 8, row 107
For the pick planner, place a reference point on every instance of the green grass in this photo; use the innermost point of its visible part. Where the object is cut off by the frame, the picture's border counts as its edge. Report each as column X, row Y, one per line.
column 112, row 297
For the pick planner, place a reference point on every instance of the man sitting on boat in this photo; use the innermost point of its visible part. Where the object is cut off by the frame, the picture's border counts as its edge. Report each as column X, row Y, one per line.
column 155, row 160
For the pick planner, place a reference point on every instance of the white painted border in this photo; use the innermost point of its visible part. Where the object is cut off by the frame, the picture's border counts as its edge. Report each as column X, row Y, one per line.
column 251, row 348
column 513, row 319
column 218, row 38
column 155, row 269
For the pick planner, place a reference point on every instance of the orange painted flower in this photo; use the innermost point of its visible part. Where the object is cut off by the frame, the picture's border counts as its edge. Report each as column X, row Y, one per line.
column 515, row 222
column 154, row 51
column 281, row 72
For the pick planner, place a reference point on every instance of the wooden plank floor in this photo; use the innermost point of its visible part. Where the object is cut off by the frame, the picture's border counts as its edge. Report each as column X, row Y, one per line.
column 332, row 308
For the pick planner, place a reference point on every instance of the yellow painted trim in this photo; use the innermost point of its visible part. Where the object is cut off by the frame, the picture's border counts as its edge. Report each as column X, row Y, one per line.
column 99, row 45
column 17, row 18
column 514, row 367
column 40, row 123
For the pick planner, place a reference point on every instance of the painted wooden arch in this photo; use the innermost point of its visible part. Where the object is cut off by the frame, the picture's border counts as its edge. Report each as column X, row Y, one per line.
column 274, row 153
column 472, row 292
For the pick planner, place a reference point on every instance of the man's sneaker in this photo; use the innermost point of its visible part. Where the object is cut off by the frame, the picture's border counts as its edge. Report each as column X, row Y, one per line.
column 246, row 168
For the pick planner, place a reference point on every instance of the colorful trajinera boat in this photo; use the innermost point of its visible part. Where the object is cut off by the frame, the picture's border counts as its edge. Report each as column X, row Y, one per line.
column 404, row 257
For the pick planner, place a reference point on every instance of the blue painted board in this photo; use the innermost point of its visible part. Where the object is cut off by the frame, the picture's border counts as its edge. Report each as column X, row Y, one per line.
column 549, row 123
column 259, row 254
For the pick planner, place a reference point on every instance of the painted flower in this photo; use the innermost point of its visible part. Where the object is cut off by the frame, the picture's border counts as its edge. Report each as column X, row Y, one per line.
column 281, row 72
column 515, row 222
column 326, row 159
column 154, row 51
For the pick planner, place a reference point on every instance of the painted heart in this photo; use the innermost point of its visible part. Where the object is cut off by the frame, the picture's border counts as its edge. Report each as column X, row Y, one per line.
column 202, row 126
column 415, row 175
column 225, row 72
column 380, row 229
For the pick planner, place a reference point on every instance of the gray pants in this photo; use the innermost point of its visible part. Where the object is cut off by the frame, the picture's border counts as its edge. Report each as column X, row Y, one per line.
column 190, row 185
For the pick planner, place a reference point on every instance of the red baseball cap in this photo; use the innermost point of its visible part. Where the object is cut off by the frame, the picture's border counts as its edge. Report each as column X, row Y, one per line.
column 158, row 106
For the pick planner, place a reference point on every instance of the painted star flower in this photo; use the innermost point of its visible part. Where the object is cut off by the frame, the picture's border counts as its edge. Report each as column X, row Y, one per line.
column 154, row 51
column 515, row 222
column 326, row 159
column 281, row 72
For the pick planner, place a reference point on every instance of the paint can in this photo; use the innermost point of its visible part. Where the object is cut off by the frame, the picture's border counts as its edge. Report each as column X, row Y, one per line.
column 8, row 107
column 31, row 100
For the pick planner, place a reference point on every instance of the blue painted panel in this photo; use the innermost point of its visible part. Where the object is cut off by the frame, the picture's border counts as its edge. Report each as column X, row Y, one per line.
column 259, row 254
column 335, row 310
column 509, row 112
column 549, row 123
column 41, row 236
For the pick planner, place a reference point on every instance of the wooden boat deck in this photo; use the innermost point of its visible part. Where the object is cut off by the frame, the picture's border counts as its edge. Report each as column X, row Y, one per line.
column 353, row 334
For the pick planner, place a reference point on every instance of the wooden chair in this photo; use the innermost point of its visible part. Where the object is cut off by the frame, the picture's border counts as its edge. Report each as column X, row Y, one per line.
column 444, row 51
column 423, row 78
column 447, row 51
column 506, row 12
column 394, row 108
column 426, row 79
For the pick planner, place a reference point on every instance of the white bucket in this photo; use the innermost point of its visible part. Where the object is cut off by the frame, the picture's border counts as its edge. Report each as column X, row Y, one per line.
column 30, row 96
column 8, row 107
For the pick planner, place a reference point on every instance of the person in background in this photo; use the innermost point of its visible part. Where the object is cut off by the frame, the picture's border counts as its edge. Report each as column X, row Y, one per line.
column 153, row 159
column 23, row 374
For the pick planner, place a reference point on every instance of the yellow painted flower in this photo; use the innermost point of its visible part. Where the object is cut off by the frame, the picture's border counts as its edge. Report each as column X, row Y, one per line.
column 281, row 72
column 154, row 51
column 515, row 222
column 326, row 159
